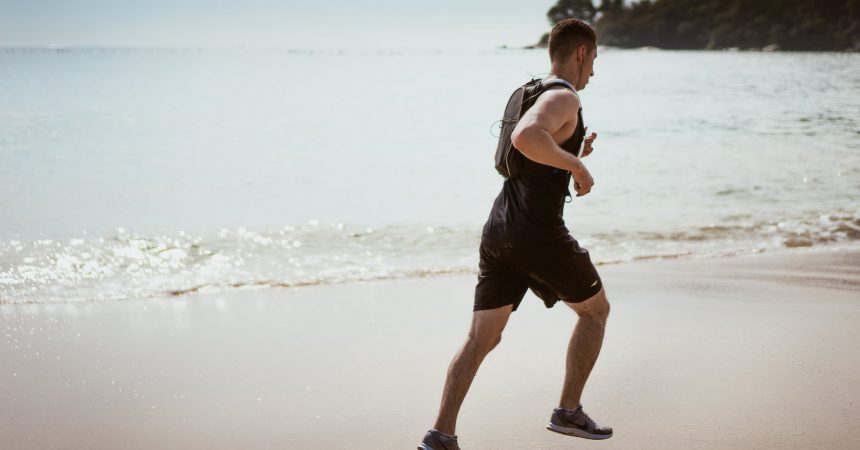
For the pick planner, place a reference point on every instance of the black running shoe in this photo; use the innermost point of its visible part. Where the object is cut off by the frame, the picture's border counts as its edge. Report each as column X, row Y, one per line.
column 435, row 440
column 577, row 423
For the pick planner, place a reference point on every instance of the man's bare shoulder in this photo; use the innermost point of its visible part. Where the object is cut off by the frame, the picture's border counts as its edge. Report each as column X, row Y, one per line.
column 552, row 111
column 558, row 100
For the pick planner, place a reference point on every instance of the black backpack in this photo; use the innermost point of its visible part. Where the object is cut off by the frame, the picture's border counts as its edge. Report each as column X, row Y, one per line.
column 510, row 162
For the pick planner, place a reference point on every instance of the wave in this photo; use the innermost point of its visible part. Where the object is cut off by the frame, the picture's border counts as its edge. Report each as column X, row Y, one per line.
column 128, row 265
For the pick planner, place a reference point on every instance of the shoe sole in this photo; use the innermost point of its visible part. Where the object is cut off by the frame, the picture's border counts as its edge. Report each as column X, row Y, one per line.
column 576, row 432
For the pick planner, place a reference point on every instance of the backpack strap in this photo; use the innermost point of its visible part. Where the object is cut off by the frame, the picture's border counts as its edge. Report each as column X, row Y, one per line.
column 543, row 85
column 558, row 81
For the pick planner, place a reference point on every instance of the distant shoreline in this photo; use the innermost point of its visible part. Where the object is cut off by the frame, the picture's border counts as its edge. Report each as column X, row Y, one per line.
column 766, row 49
column 301, row 51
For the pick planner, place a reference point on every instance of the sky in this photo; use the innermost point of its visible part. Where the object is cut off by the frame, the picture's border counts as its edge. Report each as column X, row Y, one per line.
column 332, row 24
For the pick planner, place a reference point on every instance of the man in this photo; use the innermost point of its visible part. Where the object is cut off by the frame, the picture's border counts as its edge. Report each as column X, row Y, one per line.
column 525, row 245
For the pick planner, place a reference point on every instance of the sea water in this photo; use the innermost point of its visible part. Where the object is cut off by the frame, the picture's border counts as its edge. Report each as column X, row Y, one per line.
column 133, row 173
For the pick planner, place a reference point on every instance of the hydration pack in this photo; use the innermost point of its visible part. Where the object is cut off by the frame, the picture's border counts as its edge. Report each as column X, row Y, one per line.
column 510, row 162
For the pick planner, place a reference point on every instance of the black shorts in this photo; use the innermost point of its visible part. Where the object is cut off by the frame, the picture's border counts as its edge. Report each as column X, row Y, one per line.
column 560, row 270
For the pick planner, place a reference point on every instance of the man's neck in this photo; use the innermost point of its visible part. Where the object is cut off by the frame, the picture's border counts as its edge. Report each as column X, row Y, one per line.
column 569, row 77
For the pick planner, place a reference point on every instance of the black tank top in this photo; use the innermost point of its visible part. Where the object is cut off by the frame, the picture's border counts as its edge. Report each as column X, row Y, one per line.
column 529, row 208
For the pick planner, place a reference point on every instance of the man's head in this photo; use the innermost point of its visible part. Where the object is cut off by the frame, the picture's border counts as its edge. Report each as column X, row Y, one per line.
column 572, row 49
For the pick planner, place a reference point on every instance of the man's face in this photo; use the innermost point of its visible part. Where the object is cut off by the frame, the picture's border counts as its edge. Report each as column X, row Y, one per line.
column 587, row 57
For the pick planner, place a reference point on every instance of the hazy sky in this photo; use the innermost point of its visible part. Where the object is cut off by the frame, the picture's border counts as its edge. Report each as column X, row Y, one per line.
column 289, row 23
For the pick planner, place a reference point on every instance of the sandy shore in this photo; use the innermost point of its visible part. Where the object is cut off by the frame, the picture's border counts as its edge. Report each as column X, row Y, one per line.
column 745, row 352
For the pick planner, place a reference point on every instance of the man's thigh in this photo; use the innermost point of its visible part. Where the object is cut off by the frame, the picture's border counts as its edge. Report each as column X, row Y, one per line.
column 499, row 285
column 562, row 271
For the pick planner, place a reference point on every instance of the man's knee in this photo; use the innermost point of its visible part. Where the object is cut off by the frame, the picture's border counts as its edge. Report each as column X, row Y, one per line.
column 485, row 341
column 596, row 307
column 487, row 327
column 495, row 341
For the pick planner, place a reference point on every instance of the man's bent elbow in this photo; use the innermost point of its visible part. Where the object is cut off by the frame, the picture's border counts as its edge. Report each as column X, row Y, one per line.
column 520, row 139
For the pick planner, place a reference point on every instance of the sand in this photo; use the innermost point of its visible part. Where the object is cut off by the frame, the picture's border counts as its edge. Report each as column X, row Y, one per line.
column 749, row 352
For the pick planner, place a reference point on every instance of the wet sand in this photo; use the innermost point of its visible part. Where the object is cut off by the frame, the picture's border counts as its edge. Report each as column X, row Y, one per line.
column 740, row 352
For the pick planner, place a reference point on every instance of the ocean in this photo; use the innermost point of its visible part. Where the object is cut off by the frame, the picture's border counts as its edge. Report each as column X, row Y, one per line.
column 138, row 173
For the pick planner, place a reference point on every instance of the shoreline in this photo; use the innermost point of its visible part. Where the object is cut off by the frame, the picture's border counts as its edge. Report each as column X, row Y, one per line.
column 253, row 286
column 765, row 49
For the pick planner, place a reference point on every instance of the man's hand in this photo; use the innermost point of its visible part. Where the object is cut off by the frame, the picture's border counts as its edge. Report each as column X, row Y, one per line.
column 582, row 181
column 586, row 146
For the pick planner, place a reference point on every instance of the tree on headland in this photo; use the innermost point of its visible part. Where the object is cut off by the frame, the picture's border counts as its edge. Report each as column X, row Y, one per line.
column 563, row 9
column 714, row 24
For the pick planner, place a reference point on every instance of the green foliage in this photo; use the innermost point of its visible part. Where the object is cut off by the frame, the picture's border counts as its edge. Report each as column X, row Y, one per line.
column 565, row 9
column 695, row 24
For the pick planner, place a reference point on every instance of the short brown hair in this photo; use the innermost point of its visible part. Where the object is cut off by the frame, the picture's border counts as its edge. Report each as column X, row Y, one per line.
column 567, row 35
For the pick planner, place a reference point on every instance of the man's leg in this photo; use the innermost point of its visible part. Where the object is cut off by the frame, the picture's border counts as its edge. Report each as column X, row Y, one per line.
column 584, row 346
column 484, row 334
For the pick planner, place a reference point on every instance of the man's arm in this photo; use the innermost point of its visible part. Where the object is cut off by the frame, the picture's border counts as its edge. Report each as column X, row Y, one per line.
column 533, row 135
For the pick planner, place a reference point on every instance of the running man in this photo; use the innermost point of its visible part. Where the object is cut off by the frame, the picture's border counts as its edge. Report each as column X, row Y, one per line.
column 525, row 245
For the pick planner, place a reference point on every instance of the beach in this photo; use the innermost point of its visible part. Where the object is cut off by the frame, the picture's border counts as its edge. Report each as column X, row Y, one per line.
column 754, row 351
column 275, row 246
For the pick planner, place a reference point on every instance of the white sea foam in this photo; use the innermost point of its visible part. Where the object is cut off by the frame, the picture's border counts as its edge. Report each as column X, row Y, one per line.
column 127, row 265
